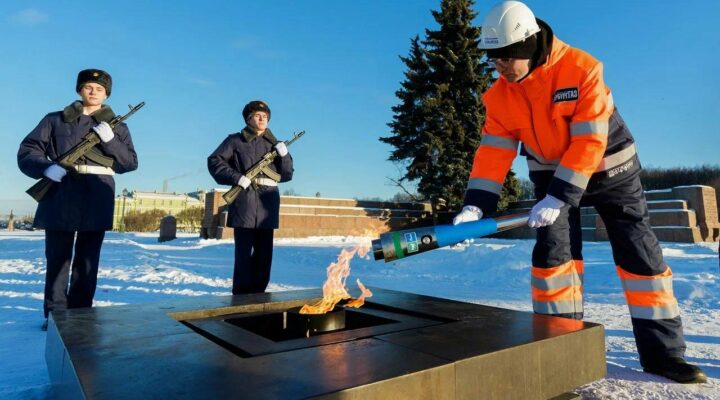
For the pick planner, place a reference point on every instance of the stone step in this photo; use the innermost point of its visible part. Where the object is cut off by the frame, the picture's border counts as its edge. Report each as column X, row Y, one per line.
column 308, row 232
column 298, row 209
column 685, row 218
column 662, row 194
column 522, row 204
column 324, row 225
column 673, row 204
column 523, row 232
column 330, row 202
column 518, row 210
column 667, row 204
column 590, row 220
column 663, row 233
column 663, row 217
column 347, row 223
column 587, row 210
column 589, row 234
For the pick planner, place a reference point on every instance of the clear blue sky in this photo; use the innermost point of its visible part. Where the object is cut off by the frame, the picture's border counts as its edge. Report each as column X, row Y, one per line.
column 328, row 67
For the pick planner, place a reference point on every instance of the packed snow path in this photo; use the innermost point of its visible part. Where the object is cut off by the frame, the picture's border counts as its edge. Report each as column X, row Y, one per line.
column 134, row 268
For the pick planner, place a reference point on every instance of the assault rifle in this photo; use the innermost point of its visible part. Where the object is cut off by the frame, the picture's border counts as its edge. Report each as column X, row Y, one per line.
column 85, row 148
column 260, row 166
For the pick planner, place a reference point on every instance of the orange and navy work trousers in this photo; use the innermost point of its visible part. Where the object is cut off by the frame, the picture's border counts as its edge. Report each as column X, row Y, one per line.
column 557, row 272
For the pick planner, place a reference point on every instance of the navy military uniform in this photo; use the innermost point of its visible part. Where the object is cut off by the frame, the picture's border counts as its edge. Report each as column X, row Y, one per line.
column 79, row 209
column 255, row 212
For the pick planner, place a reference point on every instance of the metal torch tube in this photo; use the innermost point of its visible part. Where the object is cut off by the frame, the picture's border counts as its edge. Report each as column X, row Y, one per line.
column 507, row 222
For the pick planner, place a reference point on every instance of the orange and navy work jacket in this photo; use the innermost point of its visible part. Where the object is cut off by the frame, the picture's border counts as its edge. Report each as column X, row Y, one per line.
column 563, row 115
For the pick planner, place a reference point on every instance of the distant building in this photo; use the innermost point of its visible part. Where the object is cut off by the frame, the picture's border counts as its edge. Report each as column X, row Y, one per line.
column 171, row 203
column 11, row 222
column 14, row 222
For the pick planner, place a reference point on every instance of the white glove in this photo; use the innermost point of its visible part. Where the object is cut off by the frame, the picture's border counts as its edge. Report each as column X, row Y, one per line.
column 244, row 182
column 281, row 149
column 545, row 212
column 105, row 132
column 468, row 214
column 55, row 172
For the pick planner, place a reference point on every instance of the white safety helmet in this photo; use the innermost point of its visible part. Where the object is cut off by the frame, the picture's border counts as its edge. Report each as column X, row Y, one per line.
column 507, row 23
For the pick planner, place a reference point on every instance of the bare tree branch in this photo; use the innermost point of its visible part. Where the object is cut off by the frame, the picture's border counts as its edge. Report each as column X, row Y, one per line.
column 400, row 185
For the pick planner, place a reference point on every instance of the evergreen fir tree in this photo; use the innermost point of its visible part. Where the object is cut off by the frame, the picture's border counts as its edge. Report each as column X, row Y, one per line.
column 409, row 120
column 512, row 191
column 436, row 127
column 455, row 100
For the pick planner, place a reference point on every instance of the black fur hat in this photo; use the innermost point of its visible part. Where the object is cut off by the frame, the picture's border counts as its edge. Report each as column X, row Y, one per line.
column 96, row 76
column 255, row 106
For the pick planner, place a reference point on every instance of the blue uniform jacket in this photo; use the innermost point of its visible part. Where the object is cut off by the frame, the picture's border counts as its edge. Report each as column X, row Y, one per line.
column 254, row 207
column 78, row 202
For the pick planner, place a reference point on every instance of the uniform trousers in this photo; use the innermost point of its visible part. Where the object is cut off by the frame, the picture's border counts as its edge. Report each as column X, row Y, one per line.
column 80, row 270
column 637, row 256
column 253, row 259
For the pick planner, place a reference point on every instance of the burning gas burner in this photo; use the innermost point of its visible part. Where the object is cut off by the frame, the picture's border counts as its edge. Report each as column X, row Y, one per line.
column 334, row 290
column 399, row 345
column 313, row 324
column 250, row 335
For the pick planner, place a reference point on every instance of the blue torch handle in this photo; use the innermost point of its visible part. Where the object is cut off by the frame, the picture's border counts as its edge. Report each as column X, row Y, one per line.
column 400, row 244
column 451, row 234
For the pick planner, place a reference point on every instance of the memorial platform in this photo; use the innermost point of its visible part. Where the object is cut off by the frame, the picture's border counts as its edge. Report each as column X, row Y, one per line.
column 399, row 345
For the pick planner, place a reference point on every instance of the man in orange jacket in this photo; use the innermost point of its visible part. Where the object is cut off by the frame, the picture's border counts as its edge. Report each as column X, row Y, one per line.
column 551, row 98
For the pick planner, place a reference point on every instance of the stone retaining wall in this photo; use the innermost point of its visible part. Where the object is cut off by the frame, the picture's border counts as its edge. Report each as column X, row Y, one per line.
column 681, row 214
column 318, row 216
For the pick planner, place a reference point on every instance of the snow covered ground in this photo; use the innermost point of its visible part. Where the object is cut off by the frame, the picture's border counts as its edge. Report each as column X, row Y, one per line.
column 137, row 269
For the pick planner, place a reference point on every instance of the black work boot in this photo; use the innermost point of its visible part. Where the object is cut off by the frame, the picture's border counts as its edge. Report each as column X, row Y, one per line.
column 44, row 325
column 677, row 369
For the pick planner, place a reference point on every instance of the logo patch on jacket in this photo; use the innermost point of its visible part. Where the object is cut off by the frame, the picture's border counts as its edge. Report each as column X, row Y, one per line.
column 568, row 94
column 621, row 169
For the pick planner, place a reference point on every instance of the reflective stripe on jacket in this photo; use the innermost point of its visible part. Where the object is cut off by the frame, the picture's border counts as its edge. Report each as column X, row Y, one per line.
column 564, row 116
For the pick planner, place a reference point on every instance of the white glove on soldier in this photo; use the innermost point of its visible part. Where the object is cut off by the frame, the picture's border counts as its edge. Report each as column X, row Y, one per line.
column 468, row 214
column 105, row 132
column 545, row 212
column 281, row 149
column 244, row 182
column 55, row 172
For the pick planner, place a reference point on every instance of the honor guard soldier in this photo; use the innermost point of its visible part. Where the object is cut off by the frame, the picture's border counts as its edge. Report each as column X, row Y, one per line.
column 551, row 99
column 78, row 210
column 255, row 212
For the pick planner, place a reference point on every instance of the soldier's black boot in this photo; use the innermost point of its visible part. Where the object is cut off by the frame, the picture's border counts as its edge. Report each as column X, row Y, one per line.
column 677, row 369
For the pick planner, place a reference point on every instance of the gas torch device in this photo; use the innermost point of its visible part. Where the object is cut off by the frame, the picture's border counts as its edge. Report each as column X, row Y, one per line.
column 409, row 242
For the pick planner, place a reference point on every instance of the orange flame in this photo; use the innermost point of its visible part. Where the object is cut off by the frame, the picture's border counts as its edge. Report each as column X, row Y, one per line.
column 357, row 303
column 334, row 287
